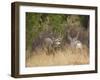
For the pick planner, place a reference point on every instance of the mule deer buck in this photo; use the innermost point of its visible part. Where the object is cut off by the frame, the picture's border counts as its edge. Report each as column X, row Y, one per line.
column 52, row 44
column 74, row 42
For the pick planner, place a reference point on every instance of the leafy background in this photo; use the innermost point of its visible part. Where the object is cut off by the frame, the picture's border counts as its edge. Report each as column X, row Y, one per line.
column 59, row 24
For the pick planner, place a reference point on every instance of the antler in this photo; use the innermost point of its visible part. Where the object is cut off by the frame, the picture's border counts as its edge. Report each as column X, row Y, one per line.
column 77, row 35
column 69, row 37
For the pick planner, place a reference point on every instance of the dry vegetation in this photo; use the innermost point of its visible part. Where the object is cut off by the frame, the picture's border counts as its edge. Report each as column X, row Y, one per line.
column 65, row 56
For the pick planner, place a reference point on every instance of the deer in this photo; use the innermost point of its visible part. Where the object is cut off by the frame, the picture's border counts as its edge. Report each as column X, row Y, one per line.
column 48, row 42
column 74, row 42
column 52, row 44
column 57, row 42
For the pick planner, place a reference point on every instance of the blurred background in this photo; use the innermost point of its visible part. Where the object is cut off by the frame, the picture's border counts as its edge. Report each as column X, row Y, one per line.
column 41, row 24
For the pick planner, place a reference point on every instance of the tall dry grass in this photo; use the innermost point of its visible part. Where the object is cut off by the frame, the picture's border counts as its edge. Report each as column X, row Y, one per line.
column 65, row 56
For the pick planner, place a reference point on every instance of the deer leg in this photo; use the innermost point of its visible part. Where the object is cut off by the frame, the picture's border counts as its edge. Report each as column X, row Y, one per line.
column 48, row 50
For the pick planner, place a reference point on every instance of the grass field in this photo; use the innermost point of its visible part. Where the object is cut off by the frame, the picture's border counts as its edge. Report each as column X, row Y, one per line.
column 65, row 56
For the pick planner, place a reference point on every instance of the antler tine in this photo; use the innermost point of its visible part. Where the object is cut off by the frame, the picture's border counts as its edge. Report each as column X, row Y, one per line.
column 69, row 37
column 77, row 35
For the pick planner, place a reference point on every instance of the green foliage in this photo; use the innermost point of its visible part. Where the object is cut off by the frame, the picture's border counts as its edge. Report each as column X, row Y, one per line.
column 56, row 22
column 84, row 21
column 41, row 22
column 32, row 27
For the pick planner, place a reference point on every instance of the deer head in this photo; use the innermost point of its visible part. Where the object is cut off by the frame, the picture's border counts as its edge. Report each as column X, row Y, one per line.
column 74, row 40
